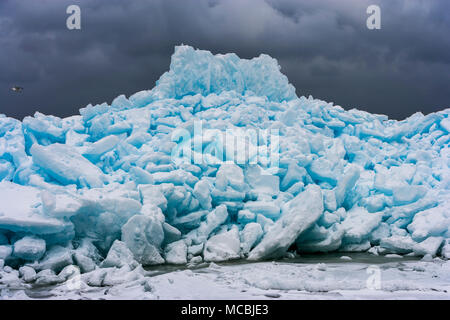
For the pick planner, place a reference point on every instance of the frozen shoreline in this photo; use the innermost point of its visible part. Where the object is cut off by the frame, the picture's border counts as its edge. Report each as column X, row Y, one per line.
column 309, row 277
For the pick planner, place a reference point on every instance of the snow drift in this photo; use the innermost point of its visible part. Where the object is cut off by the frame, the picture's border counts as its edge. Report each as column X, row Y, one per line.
column 103, row 189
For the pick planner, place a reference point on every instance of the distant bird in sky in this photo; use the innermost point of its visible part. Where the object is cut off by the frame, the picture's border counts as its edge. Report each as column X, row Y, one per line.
column 17, row 89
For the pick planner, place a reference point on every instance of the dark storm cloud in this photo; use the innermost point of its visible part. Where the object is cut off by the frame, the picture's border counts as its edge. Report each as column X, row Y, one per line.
column 323, row 46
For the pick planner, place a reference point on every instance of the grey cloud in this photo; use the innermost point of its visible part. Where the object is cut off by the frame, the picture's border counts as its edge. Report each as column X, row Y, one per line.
column 323, row 47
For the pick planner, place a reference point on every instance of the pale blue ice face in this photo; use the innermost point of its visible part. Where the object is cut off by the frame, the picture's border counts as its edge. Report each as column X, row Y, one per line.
column 137, row 179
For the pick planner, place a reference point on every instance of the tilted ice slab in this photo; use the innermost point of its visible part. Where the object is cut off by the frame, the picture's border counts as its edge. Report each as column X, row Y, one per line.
column 21, row 211
column 152, row 178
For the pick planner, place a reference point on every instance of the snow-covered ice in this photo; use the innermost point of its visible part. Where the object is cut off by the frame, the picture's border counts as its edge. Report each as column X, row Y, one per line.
column 322, row 277
column 221, row 160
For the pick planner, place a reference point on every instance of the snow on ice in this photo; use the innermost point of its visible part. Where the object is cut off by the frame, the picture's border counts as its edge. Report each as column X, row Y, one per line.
column 220, row 160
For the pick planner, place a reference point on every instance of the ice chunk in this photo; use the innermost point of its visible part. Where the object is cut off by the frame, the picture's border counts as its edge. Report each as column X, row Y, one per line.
column 27, row 273
column 229, row 195
column 91, row 111
column 386, row 180
column 195, row 249
column 141, row 176
column 87, row 248
column 294, row 175
column 407, row 194
column 359, row 223
column 5, row 252
column 177, row 177
column 195, row 260
column 94, row 151
column 203, row 194
column 60, row 205
column 118, row 256
column 85, row 263
column 188, row 76
column 71, row 274
column 213, row 220
column 300, row 213
column 429, row 246
column 324, row 170
column 445, row 124
column 153, row 211
column 222, row 247
column 246, row 216
column 153, row 195
column 398, row 244
column 445, row 251
column 381, row 232
column 331, row 240
column 404, row 245
column 296, row 188
column 330, row 218
column 329, row 200
column 21, row 210
column 374, row 203
column 230, row 175
column 261, row 183
column 6, row 170
column 55, row 259
column 176, row 252
column 144, row 235
column 345, row 184
column 66, row 165
column 406, row 212
column 44, row 127
column 47, row 278
column 96, row 277
column 431, row 222
column 266, row 223
column 362, row 246
column 191, row 220
column 268, row 209
column 75, row 139
column 86, row 256
column 250, row 236
column 171, row 233
column 29, row 248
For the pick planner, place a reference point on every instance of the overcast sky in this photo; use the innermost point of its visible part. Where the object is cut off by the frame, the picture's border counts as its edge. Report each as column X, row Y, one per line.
column 323, row 46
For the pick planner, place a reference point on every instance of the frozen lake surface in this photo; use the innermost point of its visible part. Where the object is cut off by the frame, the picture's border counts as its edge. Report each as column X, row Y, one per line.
column 331, row 276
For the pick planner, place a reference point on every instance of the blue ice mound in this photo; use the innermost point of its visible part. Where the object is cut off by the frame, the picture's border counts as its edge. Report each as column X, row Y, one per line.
column 220, row 160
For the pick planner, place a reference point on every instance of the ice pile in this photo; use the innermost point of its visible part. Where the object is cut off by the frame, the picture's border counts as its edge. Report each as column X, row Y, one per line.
column 135, row 183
